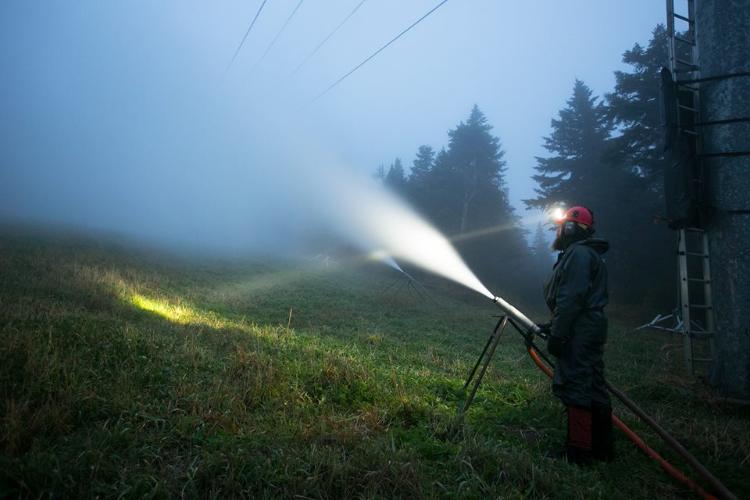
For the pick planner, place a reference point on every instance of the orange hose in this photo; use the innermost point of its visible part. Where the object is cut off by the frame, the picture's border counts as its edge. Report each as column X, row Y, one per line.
column 635, row 438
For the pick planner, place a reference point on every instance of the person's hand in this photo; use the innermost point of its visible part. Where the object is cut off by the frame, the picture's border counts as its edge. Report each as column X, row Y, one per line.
column 555, row 346
column 544, row 329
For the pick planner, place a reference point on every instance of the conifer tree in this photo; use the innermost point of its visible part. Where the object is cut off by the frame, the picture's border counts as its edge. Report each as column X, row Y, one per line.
column 587, row 168
column 542, row 249
column 422, row 165
column 470, row 177
column 470, row 199
column 575, row 172
column 462, row 190
column 634, row 109
column 418, row 184
column 395, row 178
column 379, row 173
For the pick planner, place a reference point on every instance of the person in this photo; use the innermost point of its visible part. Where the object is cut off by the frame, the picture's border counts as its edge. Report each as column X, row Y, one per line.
column 576, row 294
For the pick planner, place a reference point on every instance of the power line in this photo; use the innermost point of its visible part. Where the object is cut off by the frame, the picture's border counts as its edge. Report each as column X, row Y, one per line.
column 381, row 49
column 333, row 32
column 246, row 34
column 273, row 42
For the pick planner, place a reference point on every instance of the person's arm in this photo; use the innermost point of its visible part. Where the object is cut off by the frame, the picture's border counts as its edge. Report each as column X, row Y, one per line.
column 571, row 297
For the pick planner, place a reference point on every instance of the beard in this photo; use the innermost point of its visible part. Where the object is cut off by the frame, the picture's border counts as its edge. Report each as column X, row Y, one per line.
column 563, row 241
column 560, row 243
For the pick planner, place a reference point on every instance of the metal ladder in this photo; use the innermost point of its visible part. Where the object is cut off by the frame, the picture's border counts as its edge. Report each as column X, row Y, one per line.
column 696, row 304
column 683, row 60
column 696, row 307
column 680, row 65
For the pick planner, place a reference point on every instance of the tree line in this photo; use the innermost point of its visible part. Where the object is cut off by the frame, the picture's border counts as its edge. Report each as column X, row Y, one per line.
column 602, row 152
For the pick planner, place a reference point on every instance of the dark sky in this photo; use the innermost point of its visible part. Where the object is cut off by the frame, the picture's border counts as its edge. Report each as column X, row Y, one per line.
column 119, row 113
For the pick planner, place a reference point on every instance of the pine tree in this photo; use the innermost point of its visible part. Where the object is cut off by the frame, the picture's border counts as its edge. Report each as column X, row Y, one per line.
column 418, row 183
column 578, row 142
column 462, row 190
column 440, row 202
column 582, row 170
column 588, row 168
column 395, row 179
column 579, row 172
column 542, row 250
column 380, row 173
column 469, row 176
column 634, row 108
column 469, row 199
column 422, row 165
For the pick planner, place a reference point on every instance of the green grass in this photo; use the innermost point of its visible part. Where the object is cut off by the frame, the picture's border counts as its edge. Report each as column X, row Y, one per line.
column 132, row 373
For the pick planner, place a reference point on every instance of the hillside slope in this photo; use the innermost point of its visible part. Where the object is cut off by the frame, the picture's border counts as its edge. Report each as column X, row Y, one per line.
column 125, row 372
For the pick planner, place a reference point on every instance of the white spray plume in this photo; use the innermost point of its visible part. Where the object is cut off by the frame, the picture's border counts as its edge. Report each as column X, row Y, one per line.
column 385, row 258
column 376, row 218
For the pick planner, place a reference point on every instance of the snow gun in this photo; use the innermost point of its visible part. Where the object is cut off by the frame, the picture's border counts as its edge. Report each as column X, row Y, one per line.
column 528, row 331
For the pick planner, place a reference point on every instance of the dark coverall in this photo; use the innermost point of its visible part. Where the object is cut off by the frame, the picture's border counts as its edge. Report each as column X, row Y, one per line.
column 577, row 294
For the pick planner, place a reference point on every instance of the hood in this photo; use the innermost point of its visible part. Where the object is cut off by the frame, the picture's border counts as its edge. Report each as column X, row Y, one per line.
column 598, row 244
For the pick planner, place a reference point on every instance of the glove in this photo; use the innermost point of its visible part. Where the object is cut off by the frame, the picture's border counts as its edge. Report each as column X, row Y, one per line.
column 544, row 329
column 555, row 345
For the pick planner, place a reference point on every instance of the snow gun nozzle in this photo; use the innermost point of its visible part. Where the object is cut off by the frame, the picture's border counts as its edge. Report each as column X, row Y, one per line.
column 519, row 319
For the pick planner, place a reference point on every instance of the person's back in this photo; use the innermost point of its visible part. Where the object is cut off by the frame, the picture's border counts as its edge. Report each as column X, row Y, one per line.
column 582, row 260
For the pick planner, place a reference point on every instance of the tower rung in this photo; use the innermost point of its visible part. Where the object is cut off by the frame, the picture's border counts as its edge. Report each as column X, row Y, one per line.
column 684, row 40
column 688, row 86
column 685, row 63
column 687, row 108
column 700, row 306
column 699, row 280
column 686, row 19
column 725, row 121
column 694, row 254
column 700, row 335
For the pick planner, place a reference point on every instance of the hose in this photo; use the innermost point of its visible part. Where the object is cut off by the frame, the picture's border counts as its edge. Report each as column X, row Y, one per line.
column 640, row 443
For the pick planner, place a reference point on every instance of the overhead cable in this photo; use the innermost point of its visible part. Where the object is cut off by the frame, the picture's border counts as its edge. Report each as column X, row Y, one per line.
column 334, row 84
column 275, row 38
column 328, row 37
column 252, row 23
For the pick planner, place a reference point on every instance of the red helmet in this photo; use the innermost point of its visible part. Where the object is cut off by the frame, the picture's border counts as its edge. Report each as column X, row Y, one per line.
column 581, row 215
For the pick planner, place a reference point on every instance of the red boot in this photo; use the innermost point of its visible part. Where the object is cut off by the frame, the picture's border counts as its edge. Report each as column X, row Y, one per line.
column 602, row 438
column 578, row 446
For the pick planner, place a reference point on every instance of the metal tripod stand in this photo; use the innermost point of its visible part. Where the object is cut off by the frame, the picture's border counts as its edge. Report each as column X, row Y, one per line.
column 485, row 358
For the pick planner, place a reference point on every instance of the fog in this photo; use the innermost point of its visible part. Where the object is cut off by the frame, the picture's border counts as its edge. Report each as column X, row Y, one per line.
column 124, row 117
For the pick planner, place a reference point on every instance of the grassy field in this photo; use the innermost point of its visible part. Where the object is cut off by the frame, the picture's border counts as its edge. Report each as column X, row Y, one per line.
column 132, row 373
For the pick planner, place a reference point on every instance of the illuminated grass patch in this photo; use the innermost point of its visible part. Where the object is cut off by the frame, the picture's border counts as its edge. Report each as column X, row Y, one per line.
column 181, row 313
column 176, row 313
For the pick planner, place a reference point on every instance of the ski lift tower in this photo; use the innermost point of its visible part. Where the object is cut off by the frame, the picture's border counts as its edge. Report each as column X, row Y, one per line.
column 706, row 94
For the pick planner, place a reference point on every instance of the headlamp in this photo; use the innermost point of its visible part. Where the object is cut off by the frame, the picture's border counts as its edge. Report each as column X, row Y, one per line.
column 557, row 214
